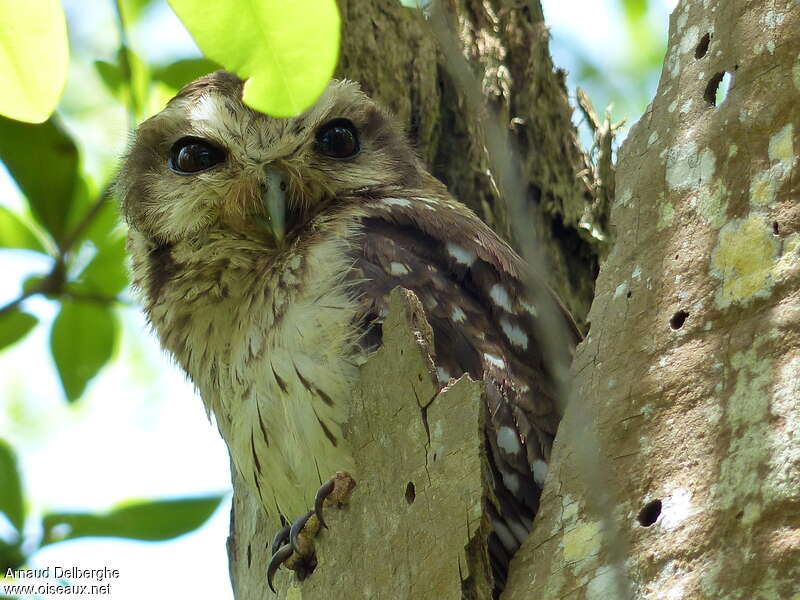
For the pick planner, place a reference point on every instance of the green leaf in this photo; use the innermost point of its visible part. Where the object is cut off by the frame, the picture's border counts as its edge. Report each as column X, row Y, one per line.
column 115, row 80
column 43, row 160
column 34, row 56
column 153, row 521
column 634, row 10
column 16, row 234
column 11, row 557
column 111, row 75
column 81, row 341
column 139, row 88
column 32, row 283
column 15, row 325
column 178, row 74
column 132, row 10
column 11, row 501
column 288, row 50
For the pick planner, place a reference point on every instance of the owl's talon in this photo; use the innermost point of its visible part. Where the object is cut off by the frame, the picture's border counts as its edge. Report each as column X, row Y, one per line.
column 323, row 492
column 293, row 546
column 280, row 556
column 280, row 539
column 295, row 530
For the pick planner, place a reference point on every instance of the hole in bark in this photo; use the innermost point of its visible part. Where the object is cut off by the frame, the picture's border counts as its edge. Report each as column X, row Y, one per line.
column 702, row 47
column 775, row 228
column 717, row 88
column 650, row 513
column 411, row 492
column 629, row 294
column 678, row 319
column 535, row 194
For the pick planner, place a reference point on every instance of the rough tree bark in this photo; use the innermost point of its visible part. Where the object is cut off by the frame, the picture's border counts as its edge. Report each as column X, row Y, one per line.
column 415, row 524
column 690, row 376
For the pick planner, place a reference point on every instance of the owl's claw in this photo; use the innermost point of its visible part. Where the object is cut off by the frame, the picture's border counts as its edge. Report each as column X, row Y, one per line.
column 293, row 546
column 278, row 558
column 280, row 539
column 323, row 492
column 295, row 530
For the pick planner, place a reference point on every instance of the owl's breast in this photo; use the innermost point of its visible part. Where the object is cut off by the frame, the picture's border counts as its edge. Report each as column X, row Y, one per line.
column 273, row 350
column 286, row 420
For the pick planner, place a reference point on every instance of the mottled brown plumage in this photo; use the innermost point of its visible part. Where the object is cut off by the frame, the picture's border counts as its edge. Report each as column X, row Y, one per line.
column 270, row 312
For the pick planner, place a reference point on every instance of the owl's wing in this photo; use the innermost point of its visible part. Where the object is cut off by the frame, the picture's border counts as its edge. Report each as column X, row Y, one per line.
column 469, row 282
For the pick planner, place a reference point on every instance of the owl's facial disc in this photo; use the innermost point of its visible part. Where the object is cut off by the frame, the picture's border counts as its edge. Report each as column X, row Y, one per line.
column 208, row 163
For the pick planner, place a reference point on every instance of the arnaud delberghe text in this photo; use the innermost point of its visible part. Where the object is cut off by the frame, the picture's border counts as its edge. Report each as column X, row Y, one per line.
column 64, row 573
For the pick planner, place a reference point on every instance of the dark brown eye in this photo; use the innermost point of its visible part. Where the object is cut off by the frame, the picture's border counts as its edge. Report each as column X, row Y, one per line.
column 192, row 155
column 338, row 139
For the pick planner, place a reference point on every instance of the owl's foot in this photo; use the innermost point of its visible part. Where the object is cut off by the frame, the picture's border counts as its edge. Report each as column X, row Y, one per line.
column 293, row 545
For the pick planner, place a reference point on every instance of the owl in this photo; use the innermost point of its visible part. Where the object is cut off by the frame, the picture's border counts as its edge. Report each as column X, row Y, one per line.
column 264, row 251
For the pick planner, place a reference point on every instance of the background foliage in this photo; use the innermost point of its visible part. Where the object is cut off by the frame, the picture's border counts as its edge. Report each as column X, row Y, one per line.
column 64, row 290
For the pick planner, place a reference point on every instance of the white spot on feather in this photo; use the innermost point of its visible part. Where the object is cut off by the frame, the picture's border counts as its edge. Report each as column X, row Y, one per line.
column 530, row 308
column 519, row 530
column 460, row 254
column 399, row 269
column 458, row 315
column 442, row 375
column 539, row 470
column 495, row 360
column 508, row 441
column 506, row 538
column 499, row 295
column 510, row 480
column 514, row 333
column 396, row 202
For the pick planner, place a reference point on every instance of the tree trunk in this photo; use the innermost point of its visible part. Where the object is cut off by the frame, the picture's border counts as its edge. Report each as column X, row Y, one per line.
column 689, row 380
column 416, row 525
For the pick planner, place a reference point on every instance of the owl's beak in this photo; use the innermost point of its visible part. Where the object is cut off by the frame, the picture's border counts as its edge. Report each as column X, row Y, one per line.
column 275, row 201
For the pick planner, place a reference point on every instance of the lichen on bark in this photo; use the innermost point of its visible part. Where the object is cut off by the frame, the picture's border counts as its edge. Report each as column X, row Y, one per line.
column 690, row 371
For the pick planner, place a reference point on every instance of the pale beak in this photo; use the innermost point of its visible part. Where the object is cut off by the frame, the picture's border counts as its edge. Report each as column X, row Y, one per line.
column 275, row 201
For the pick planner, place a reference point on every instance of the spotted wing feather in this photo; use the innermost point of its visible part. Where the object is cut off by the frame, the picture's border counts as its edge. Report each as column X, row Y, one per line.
column 469, row 282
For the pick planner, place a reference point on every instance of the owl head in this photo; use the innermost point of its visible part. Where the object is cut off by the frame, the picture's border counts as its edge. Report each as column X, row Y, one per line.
column 207, row 162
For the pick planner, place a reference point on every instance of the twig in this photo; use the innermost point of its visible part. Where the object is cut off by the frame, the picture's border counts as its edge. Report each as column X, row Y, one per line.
column 53, row 282
column 96, row 298
column 16, row 302
column 86, row 221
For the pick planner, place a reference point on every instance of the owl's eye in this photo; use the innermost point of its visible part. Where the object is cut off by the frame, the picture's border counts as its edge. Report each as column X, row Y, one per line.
column 192, row 155
column 338, row 139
